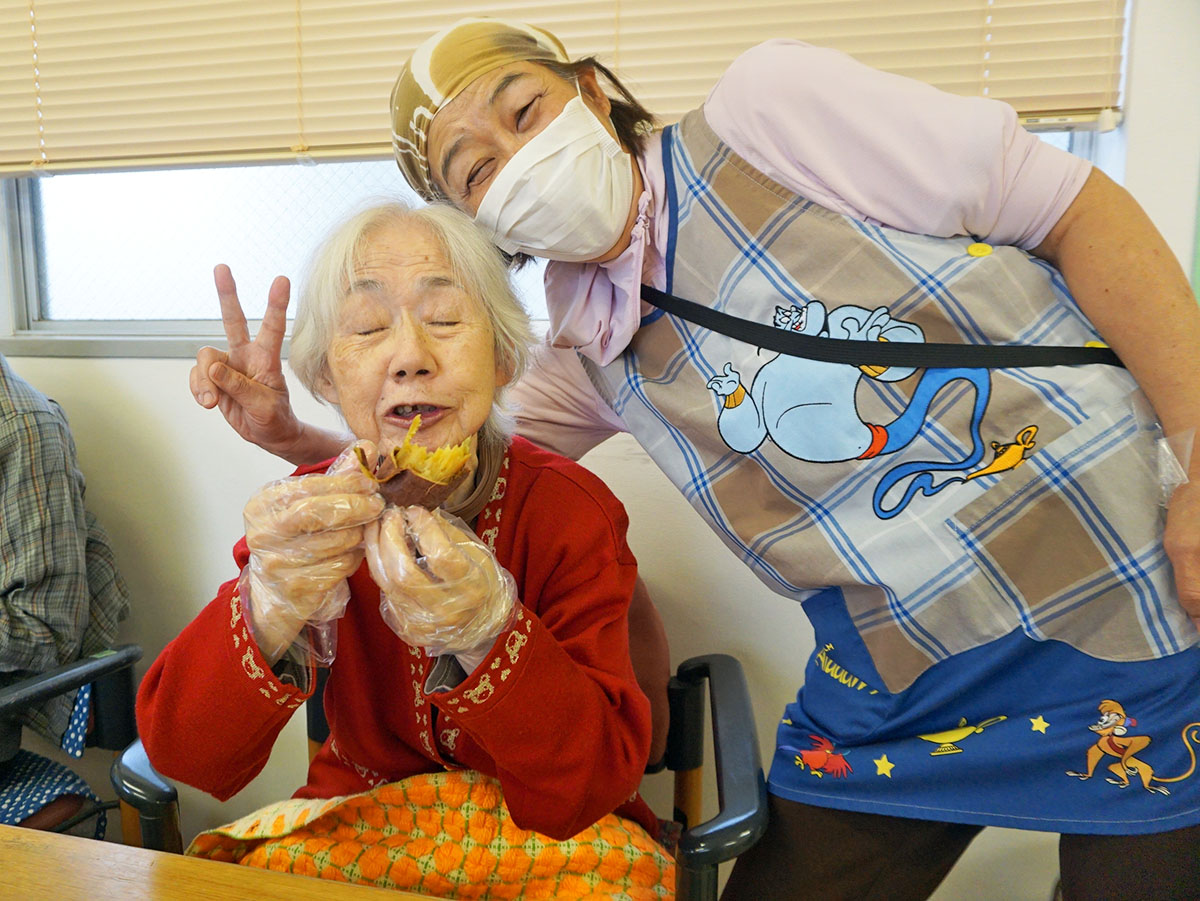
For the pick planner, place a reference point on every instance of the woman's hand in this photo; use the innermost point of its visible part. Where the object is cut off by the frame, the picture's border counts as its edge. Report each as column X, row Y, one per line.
column 247, row 382
column 305, row 536
column 1181, row 540
column 442, row 590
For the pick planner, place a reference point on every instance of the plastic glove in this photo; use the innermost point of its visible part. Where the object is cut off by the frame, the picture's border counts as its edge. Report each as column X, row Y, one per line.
column 305, row 535
column 442, row 590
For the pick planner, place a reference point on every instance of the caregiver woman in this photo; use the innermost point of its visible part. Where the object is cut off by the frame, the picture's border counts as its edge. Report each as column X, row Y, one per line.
column 1000, row 637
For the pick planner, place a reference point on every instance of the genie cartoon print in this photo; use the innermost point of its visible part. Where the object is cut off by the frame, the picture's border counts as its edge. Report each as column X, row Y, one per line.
column 809, row 410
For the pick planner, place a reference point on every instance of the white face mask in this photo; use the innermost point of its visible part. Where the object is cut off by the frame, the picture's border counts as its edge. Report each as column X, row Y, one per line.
column 565, row 195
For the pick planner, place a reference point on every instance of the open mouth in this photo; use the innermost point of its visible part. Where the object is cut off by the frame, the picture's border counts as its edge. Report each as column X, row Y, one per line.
column 406, row 412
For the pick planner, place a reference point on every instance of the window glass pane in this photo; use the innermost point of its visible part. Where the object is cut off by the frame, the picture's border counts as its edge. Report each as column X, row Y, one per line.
column 142, row 245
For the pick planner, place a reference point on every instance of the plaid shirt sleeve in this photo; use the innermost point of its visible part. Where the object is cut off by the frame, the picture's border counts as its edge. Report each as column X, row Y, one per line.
column 60, row 592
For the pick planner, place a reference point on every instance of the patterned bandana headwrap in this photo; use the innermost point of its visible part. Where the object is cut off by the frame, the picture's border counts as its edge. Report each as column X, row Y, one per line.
column 441, row 67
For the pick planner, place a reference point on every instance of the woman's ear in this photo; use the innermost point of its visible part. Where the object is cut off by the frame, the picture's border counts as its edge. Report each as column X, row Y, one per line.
column 504, row 373
column 326, row 388
column 589, row 86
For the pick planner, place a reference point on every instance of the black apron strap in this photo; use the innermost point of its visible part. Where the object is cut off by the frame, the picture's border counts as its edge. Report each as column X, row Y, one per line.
column 872, row 353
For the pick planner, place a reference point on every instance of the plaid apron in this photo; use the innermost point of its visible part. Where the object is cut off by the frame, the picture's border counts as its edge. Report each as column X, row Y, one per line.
column 937, row 523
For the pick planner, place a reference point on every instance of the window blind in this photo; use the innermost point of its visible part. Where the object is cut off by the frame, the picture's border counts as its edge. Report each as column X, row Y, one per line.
column 110, row 84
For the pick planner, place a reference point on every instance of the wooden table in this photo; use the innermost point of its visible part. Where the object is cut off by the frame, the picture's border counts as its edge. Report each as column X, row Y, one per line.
column 43, row 866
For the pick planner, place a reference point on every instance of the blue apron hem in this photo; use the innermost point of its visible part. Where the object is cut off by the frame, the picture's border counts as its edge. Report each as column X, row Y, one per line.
column 1108, row 826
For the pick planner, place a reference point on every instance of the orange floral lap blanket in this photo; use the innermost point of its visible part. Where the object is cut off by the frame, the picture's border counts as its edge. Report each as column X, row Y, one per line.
column 448, row 835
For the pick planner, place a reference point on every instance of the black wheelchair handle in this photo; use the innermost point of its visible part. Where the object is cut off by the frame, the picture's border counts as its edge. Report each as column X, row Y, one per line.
column 137, row 783
column 741, row 789
column 35, row 689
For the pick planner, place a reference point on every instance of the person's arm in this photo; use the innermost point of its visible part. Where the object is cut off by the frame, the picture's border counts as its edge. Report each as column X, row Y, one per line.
column 210, row 708
column 557, row 407
column 43, row 568
column 247, row 384
column 1130, row 285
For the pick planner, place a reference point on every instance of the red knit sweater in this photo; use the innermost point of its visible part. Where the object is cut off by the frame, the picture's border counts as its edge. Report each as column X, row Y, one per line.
column 554, row 712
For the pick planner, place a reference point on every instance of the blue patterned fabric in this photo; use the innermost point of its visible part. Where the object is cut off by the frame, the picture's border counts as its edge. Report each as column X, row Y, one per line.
column 999, row 639
column 1000, row 735
column 75, row 736
column 29, row 782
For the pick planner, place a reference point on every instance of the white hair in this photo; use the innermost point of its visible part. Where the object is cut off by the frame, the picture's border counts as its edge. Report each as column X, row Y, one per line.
column 475, row 263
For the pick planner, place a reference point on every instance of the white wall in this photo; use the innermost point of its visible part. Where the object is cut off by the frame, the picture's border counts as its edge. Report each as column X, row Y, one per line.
column 1162, row 127
column 169, row 481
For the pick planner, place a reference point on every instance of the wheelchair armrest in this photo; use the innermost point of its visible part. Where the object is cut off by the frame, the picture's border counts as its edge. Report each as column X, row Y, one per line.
column 36, row 689
column 741, row 789
column 139, row 785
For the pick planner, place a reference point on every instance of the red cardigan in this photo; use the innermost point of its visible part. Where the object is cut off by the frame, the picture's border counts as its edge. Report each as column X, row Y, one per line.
column 554, row 711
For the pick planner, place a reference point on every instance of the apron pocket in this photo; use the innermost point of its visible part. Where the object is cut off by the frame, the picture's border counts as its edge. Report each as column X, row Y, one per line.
column 1072, row 541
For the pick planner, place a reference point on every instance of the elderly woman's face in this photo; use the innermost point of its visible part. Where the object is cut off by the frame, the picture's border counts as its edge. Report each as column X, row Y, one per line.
column 409, row 340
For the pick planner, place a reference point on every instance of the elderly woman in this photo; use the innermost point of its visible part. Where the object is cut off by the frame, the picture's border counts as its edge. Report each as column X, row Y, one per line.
column 491, row 641
column 975, row 530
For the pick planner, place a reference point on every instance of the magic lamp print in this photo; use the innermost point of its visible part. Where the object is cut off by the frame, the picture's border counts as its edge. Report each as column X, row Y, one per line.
column 946, row 741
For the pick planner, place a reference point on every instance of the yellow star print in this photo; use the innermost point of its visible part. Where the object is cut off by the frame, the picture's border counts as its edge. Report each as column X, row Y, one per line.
column 1039, row 724
column 883, row 767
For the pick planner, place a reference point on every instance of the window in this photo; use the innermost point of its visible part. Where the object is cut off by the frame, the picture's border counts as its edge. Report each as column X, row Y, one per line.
column 141, row 245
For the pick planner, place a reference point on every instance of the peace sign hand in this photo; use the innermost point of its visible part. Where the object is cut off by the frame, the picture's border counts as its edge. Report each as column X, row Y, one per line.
column 247, row 382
